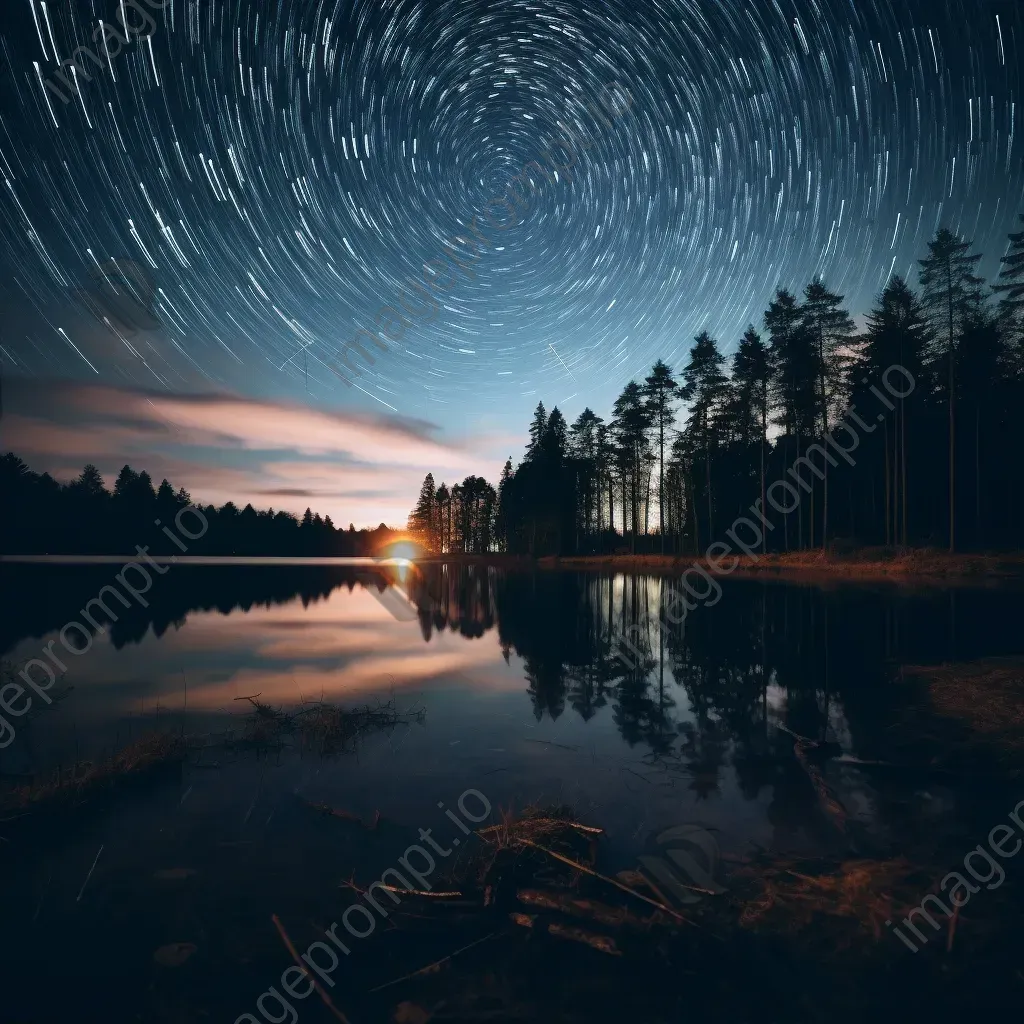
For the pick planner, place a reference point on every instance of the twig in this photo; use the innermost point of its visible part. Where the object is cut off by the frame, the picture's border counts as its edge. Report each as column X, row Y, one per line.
column 419, row 892
column 88, row 876
column 605, row 878
column 551, row 743
column 436, row 965
column 590, row 830
column 952, row 927
column 796, row 735
column 305, row 970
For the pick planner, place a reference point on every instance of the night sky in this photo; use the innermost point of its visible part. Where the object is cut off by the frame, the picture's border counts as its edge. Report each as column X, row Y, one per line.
column 268, row 176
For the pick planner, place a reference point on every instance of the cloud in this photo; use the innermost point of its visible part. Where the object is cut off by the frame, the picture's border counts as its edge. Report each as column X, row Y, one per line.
column 353, row 466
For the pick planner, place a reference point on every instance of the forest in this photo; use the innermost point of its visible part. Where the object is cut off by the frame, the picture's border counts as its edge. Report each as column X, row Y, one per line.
column 40, row 515
column 688, row 450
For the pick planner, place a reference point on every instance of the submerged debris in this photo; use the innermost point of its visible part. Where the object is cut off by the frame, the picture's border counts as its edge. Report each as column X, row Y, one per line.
column 858, row 896
column 986, row 695
column 87, row 779
column 319, row 726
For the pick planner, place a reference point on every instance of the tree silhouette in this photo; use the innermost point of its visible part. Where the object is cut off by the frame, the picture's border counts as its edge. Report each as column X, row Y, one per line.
column 423, row 519
column 659, row 389
column 950, row 292
column 898, row 335
column 832, row 329
column 788, row 398
column 38, row 515
column 629, row 427
column 751, row 380
column 704, row 387
column 1011, row 277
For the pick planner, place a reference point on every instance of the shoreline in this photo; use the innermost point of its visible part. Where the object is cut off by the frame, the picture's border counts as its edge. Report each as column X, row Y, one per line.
column 866, row 564
column 863, row 564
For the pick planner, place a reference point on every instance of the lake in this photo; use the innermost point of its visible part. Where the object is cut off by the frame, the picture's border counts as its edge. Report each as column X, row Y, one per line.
column 528, row 694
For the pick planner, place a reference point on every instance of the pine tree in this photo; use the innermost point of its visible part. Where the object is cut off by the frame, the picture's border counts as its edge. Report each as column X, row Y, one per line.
column 630, row 426
column 423, row 518
column 505, row 517
column 659, row 388
column 537, row 430
column 554, row 439
column 795, row 362
column 583, row 448
column 1011, row 278
column 795, row 383
column 832, row 329
column 91, row 482
column 950, row 291
column 443, row 516
column 751, row 378
column 898, row 335
column 704, row 387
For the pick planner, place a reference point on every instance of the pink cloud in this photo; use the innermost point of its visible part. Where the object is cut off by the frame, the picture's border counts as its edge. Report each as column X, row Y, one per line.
column 352, row 466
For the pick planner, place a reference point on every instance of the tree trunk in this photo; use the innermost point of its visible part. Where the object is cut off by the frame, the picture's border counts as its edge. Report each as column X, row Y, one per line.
column 611, row 507
column 888, row 502
column 693, row 512
column 824, row 420
column 764, row 435
column 661, row 477
column 952, row 418
column 979, row 531
column 903, row 464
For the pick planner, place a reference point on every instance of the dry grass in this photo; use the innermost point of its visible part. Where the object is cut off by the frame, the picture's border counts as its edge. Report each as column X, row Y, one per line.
column 860, row 563
column 322, row 727
column 87, row 779
column 547, row 826
column 858, row 896
column 986, row 695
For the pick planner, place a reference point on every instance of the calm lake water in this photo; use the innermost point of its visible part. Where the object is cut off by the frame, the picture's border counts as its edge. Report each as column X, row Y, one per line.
column 529, row 697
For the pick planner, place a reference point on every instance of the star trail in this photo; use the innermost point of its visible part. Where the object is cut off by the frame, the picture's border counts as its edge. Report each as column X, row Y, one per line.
column 280, row 171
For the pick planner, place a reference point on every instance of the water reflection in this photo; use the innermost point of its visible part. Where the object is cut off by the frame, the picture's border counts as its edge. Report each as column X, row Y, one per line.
column 701, row 691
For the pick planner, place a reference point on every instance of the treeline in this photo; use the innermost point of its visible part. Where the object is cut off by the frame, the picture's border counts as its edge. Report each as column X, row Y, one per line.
column 934, row 384
column 39, row 515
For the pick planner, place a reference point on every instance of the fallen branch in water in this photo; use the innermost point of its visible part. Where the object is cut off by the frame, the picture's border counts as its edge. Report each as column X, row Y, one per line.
column 826, row 798
column 602, row 943
column 344, row 815
column 579, row 906
column 305, row 970
column 420, row 892
column 611, row 881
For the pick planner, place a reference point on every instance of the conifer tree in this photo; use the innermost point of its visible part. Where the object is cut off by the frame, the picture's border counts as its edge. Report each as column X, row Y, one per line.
column 629, row 426
column 423, row 519
column 898, row 335
column 751, row 378
column 1011, row 278
column 831, row 328
column 950, row 291
column 659, row 389
column 537, row 430
column 704, row 387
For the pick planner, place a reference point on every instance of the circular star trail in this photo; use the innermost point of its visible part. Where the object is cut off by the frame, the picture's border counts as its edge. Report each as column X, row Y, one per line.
column 280, row 172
